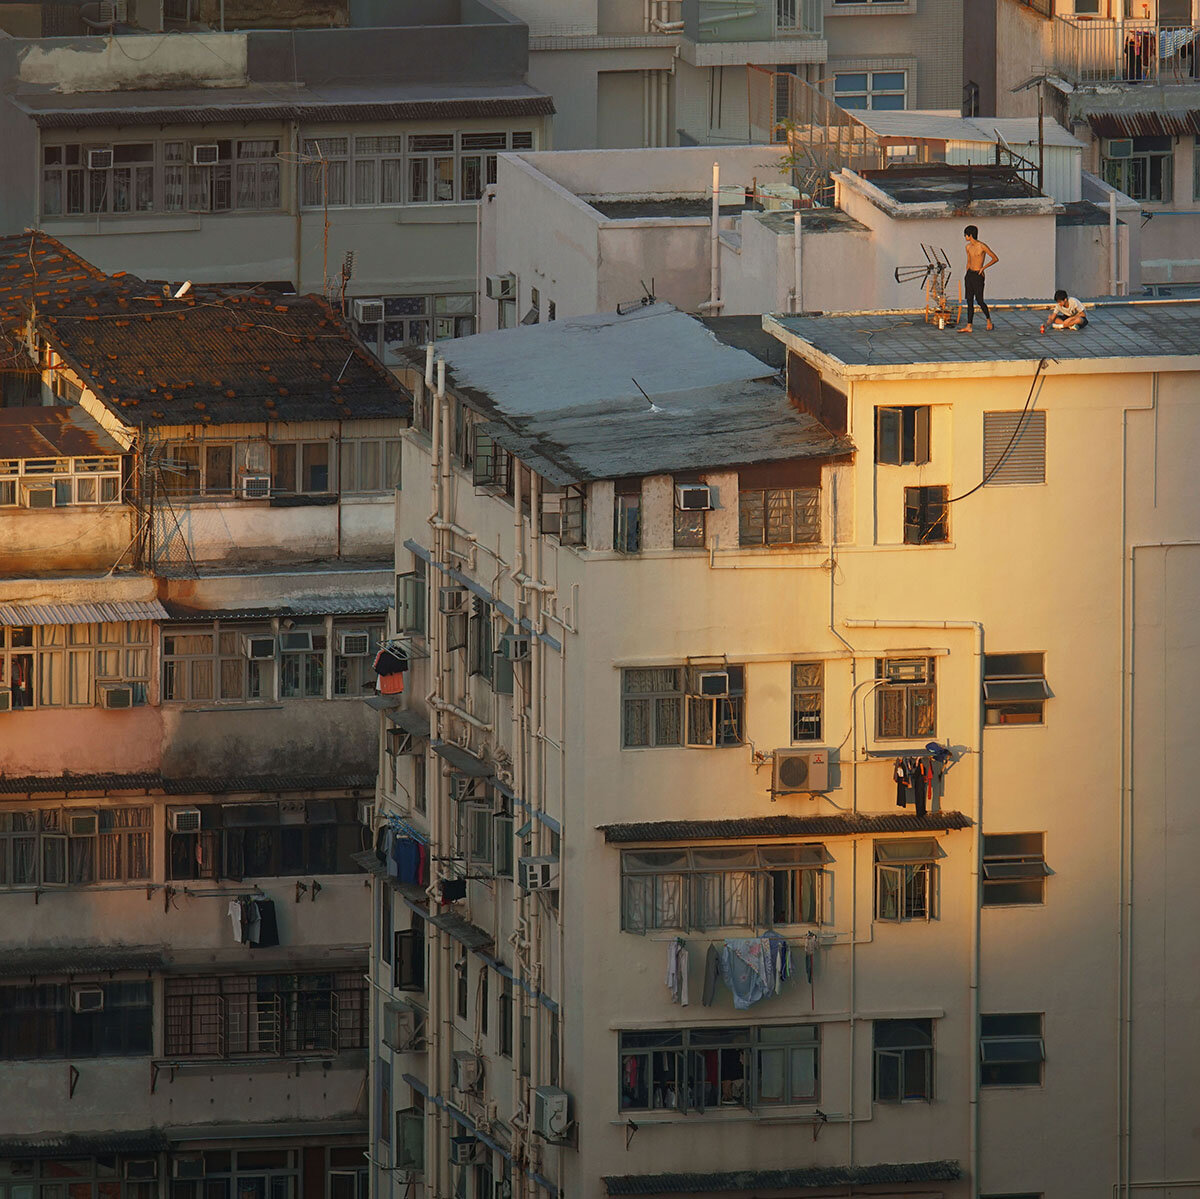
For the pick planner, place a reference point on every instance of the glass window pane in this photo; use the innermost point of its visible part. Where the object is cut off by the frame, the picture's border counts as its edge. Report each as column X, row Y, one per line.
column 850, row 82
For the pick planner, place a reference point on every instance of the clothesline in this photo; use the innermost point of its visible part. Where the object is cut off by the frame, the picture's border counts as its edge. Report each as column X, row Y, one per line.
column 399, row 825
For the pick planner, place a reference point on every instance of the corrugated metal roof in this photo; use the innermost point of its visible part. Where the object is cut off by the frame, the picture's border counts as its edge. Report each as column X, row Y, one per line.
column 470, row 935
column 315, row 605
column 80, row 959
column 52, row 433
column 310, row 1130
column 800, row 1178
column 42, row 614
column 462, row 761
column 781, row 826
column 82, row 1144
column 938, row 126
column 411, row 722
column 1145, row 123
column 68, row 784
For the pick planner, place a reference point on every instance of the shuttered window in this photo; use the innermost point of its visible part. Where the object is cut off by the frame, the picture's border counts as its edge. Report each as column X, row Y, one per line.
column 1014, row 447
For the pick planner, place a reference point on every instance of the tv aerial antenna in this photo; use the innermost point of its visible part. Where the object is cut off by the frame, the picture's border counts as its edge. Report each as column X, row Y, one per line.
column 934, row 274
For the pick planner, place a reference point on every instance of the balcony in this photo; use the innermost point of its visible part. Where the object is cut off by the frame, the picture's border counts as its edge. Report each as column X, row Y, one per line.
column 1097, row 50
column 709, row 21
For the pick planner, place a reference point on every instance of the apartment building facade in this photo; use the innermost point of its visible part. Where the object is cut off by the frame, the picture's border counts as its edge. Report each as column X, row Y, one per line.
column 196, row 501
column 634, row 725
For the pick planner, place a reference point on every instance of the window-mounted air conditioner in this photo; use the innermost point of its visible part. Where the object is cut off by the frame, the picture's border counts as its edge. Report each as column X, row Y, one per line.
column 466, row 1072
column 501, row 287
column 206, row 155
column 368, row 312
column 452, row 600
column 906, row 670
column 189, row 1166
column 292, row 811
column 116, row 697
column 551, row 1113
column 296, row 640
column 82, row 824
column 712, row 684
column 800, row 771
column 1119, row 147
column 141, row 1168
column 366, row 813
column 402, row 1027
column 538, row 874
column 33, row 496
column 99, row 160
column 464, row 787
column 463, row 1150
column 184, row 820
column 515, row 647
column 258, row 647
column 693, row 497
column 87, row 999
column 399, row 742
column 5, row 700
column 256, row 487
column 353, row 644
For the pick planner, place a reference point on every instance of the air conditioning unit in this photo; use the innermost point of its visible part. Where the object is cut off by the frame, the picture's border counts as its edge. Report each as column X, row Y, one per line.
column 143, row 1168
column 463, row 1150
column 906, row 670
column 368, row 312
column 116, row 697
column 296, row 640
column 256, row 487
column 1119, row 147
column 33, row 496
column 399, row 741
column 184, row 820
column 515, row 647
column 463, row 787
column 87, row 999
column 806, row 771
column 206, row 155
column 693, row 497
column 5, row 700
column 292, row 811
column 187, row 1166
column 712, row 684
column 99, row 160
column 366, row 813
column 538, row 874
column 401, row 1027
column 82, row 824
column 501, row 287
column 466, row 1072
column 258, row 647
column 452, row 600
column 551, row 1113
column 353, row 645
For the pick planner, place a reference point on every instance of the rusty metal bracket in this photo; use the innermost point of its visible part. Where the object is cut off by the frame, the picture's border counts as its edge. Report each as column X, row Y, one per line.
column 72, row 1081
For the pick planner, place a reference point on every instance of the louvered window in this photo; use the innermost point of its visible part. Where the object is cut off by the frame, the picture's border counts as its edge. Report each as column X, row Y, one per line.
column 1014, row 447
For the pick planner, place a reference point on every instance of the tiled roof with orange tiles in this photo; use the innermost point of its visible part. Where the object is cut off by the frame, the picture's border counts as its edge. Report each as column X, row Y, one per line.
column 209, row 358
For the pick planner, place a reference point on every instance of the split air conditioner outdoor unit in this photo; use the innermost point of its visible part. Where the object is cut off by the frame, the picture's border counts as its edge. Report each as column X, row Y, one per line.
column 82, row 824
column 99, row 160
column 205, row 155
column 806, row 771
column 538, row 874
column 258, row 647
column 515, row 647
column 87, row 999
column 184, row 820
column 463, row 1150
column 466, row 1072
column 297, row 640
column 368, row 312
column 256, row 487
column 116, row 697
column 353, row 645
column 501, row 287
column 551, row 1113
column 693, row 497
column 452, row 600
column 712, row 684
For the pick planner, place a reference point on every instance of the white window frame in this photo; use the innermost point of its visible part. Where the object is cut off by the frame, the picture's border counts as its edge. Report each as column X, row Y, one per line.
column 872, row 92
column 906, row 880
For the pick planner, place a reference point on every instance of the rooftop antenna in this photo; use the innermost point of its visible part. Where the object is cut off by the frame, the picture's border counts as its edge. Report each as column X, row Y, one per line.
column 653, row 406
column 934, row 275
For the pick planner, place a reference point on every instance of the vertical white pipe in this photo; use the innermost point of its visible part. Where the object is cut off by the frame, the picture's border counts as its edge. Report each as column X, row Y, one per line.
column 714, row 287
column 1112, row 243
column 797, row 275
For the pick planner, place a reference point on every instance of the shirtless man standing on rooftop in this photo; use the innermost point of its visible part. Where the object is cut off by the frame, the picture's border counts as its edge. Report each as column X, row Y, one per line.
column 977, row 262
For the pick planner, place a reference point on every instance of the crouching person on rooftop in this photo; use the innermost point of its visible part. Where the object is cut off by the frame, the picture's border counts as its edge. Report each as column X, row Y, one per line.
column 1066, row 313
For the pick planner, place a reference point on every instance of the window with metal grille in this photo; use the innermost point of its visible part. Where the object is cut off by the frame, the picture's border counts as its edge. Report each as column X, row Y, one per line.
column 716, row 719
column 1014, row 868
column 926, row 515
column 492, row 465
column 1014, row 448
column 627, row 516
column 1012, row 1050
column 906, row 698
column 39, row 1020
column 808, row 700
column 652, row 707
column 1014, row 688
column 903, row 1051
column 906, row 879
column 779, row 516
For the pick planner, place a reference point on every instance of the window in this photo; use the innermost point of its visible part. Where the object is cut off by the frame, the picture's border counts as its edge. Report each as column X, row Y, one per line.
column 352, row 670
column 98, row 1177
column 652, row 707
column 731, row 886
column 411, row 595
column 383, row 1099
column 326, row 171
column 418, row 761
column 461, row 982
column 408, row 960
column 906, row 698
column 256, row 1015
column 926, row 515
column 902, row 436
column 416, row 320
column 218, row 469
column 779, row 516
column 212, row 662
column 1147, row 173
column 475, row 833
column 378, row 170
column 71, row 481
column 39, row 1020
column 369, row 466
column 627, row 516
column 480, row 659
column 906, row 879
column 431, row 170
column 716, row 705
column 491, row 467
column 869, row 89
column 1014, row 688
column 572, row 527
column 808, row 700
column 502, row 841
column 410, row 1136
column 1011, row 1050
column 695, row 1069
column 903, row 1060
column 257, row 1174
column 1014, row 448
column 504, row 1017
column 1014, row 868
column 689, row 522
column 385, row 924
column 44, row 666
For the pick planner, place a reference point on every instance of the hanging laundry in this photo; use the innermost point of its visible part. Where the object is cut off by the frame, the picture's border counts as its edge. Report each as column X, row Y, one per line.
column 237, row 917
column 383, row 839
column 712, row 971
column 811, row 944
column 390, row 666
column 747, row 970
column 406, row 861
column 677, row 971
column 453, row 889
column 781, row 958
column 262, row 930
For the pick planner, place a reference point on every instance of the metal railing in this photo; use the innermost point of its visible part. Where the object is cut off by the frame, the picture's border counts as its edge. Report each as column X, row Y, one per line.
column 803, row 18
column 1124, row 51
column 752, row 20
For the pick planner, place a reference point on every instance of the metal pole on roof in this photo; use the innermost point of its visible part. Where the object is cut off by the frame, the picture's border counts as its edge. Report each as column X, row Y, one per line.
column 1112, row 242
column 714, row 286
column 1041, row 136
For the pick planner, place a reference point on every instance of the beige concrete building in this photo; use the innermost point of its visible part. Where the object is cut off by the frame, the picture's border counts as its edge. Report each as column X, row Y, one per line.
column 671, row 632
column 196, row 502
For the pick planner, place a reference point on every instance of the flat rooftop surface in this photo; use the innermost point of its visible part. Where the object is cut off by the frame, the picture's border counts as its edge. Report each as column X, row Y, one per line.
column 812, row 220
column 667, row 206
column 1135, row 330
column 938, row 185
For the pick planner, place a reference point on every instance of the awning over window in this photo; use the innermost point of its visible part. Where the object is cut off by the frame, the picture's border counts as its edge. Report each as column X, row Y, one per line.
column 411, row 722
column 462, row 761
column 84, row 959
column 23, row 614
column 1013, row 691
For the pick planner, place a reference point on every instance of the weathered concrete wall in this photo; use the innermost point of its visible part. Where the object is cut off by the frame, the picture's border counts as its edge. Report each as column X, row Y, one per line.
column 67, row 539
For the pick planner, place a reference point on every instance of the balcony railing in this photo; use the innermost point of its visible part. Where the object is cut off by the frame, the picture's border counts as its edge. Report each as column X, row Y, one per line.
column 1118, row 51
column 752, row 20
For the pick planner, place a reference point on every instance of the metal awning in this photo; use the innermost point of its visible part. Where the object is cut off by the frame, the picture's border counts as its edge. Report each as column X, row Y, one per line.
column 462, row 761
column 42, row 614
column 746, row 1182
column 1016, row 690
column 411, row 722
column 292, row 1129
column 1130, row 122
column 383, row 703
column 848, row 825
column 81, row 959
column 470, row 935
